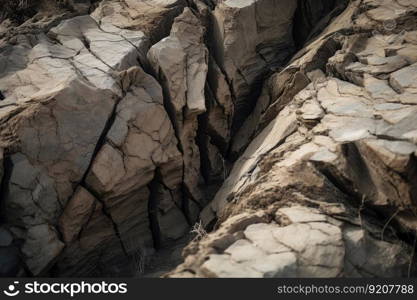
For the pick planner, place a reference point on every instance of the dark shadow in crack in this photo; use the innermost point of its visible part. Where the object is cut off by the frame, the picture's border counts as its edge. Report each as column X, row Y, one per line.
column 166, row 259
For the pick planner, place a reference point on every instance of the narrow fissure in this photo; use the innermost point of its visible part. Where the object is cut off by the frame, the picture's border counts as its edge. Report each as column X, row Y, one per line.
column 4, row 187
column 108, row 215
column 102, row 139
column 153, row 204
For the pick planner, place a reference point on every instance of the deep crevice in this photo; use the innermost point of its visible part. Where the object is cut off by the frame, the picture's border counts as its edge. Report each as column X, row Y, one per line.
column 108, row 215
column 102, row 139
column 312, row 16
column 4, row 187
column 153, row 204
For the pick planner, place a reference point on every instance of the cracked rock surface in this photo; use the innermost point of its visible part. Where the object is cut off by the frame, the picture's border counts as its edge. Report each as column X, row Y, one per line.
column 331, row 161
column 287, row 130
column 305, row 242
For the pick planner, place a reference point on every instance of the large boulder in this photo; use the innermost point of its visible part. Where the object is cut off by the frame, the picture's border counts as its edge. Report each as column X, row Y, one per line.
column 75, row 105
column 140, row 147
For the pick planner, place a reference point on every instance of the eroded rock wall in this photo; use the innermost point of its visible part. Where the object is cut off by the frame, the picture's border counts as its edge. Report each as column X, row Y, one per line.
column 123, row 123
column 85, row 133
column 326, row 184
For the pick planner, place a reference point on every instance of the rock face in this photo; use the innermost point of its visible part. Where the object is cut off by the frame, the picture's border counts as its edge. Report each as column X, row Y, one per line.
column 84, row 132
column 330, row 142
column 249, row 38
column 153, row 17
column 123, row 123
column 305, row 242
